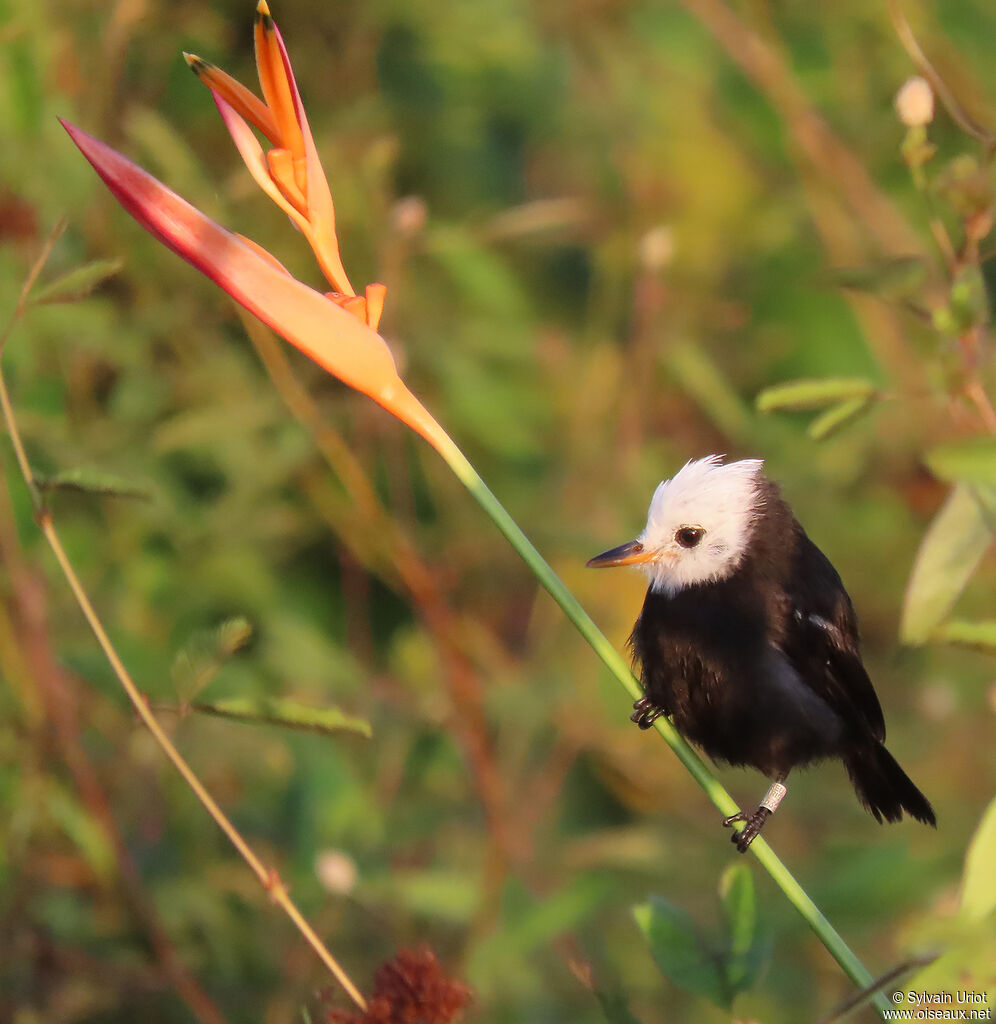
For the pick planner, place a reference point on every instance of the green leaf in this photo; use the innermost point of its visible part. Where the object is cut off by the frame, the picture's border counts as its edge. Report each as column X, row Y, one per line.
column 978, row 890
column 92, row 481
column 968, row 940
column 75, row 284
column 201, row 658
column 889, row 279
column 82, row 828
column 813, row 393
column 949, row 553
column 980, row 636
column 681, row 952
column 539, row 922
column 746, row 955
column 477, row 272
column 972, row 461
column 530, row 924
column 837, row 416
column 25, row 80
column 434, row 893
column 285, row 713
column 736, row 889
column 966, row 965
column 704, row 381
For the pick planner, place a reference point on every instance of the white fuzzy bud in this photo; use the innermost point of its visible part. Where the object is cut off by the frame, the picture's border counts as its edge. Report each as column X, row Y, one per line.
column 915, row 102
column 337, row 872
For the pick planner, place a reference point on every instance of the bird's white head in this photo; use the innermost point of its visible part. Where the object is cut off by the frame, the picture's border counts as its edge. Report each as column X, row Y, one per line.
column 698, row 527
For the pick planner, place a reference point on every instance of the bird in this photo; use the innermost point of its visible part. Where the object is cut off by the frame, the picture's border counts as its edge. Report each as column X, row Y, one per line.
column 748, row 641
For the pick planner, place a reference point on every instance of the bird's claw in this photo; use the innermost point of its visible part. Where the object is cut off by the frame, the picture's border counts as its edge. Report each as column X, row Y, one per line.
column 752, row 827
column 645, row 713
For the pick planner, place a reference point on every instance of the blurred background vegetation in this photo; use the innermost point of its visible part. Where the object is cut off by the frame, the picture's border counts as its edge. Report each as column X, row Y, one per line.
column 605, row 226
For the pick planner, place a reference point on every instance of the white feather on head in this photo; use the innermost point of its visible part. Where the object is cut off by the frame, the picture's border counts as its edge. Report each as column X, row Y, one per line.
column 724, row 501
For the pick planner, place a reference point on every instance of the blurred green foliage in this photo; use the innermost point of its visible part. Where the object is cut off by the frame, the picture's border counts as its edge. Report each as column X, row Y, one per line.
column 605, row 228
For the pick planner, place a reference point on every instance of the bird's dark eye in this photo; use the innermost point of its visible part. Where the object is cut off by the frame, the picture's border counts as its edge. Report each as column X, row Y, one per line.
column 689, row 536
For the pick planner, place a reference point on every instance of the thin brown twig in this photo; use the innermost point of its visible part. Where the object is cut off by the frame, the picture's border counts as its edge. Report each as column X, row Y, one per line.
column 976, row 226
column 863, row 995
column 769, row 71
column 29, row 281
column 825, row 160
column 268, row 877
column 5, row 407
column 59, row 704
column 942, row 240
column 973, row 340
column 958, row 113
column 938, row 230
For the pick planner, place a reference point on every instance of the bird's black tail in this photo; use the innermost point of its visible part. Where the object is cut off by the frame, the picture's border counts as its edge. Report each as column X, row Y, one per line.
column 884, row 788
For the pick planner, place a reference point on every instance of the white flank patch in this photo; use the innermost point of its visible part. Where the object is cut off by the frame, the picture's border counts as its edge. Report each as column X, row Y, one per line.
column 724, row 501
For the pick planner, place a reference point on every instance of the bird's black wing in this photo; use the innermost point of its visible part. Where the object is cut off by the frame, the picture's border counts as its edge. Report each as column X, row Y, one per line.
column 821, row 640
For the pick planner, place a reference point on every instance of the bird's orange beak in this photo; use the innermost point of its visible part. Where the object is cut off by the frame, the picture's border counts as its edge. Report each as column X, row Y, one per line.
column 630, row 553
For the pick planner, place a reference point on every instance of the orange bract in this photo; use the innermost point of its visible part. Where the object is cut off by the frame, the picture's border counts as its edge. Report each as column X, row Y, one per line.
column 338, row 329
column 290, row 172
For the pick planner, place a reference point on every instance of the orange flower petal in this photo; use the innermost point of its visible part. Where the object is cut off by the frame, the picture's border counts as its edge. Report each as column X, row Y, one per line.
column 233, row 92
column 274, row 74
column 332, row 337
column 375, row 295
column 354, row 305
column 255, row 160
column 321, row 210
column 281, row 165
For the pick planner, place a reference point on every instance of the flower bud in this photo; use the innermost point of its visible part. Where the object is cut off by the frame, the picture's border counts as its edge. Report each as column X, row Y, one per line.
column 915, row 102
column 337, row 872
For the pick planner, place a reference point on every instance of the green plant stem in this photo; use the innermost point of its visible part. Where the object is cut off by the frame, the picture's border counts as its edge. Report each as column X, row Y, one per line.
column 615, row 663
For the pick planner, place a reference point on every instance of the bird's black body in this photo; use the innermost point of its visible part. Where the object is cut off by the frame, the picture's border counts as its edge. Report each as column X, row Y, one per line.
column 763, row 668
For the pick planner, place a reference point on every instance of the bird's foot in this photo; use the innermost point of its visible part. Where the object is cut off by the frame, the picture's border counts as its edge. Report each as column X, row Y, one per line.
column 645, row 713
column 752, row 827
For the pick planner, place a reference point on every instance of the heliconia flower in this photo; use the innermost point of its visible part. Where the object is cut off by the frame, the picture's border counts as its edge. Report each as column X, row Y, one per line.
column 290, row 173
column 337, row 330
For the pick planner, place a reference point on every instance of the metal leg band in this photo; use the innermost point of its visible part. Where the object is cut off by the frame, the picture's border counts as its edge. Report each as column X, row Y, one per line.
column 774, row 797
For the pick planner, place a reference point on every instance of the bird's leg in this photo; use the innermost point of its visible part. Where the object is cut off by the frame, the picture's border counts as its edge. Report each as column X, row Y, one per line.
column 755, row 822
column 645, row 713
